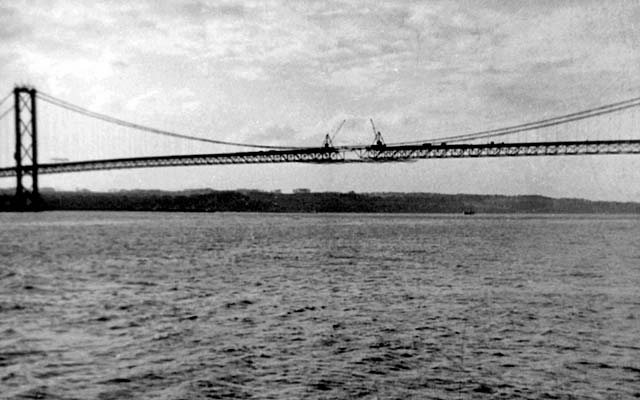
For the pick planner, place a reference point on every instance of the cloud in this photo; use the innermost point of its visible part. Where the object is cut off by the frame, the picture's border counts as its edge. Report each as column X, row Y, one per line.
column 177, row 103
column 273, row 135
column 352, row 44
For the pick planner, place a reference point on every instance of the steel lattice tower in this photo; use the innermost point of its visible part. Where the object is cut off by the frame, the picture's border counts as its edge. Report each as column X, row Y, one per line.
column 26, row 154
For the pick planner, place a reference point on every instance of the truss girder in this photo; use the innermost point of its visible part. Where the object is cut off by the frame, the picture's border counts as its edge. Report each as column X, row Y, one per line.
column 399, row 153
column 348, row 154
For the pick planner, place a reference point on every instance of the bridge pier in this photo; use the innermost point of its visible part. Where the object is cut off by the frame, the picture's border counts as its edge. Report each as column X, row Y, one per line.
column 27, row 197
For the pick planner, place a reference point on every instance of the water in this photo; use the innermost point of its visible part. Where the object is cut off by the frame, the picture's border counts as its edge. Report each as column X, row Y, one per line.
column 195, row 306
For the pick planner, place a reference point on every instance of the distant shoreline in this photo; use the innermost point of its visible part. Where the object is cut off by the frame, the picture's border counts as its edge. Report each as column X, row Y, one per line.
column 207, row 200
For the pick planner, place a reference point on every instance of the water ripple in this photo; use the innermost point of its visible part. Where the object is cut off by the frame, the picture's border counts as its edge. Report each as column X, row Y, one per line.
column 201, row 306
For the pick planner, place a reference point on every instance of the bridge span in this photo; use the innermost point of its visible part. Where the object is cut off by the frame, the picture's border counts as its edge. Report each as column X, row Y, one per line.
column 347, row 154
column 601, row 130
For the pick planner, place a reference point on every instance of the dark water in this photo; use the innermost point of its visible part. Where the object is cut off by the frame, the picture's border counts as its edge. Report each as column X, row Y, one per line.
column 194, row 306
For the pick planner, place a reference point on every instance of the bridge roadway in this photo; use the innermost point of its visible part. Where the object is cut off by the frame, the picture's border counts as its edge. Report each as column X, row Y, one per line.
column 348, row 154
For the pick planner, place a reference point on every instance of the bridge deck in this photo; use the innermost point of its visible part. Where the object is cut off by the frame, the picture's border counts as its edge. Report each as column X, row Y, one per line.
column 346, row 154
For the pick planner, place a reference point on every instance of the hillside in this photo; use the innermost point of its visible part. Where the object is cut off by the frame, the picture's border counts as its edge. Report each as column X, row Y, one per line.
column 258, row 201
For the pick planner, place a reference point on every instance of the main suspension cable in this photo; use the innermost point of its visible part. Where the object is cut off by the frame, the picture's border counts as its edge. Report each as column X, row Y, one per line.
column 5, row 98
column 497, row 132
column 529, row 126
column 107, row 118
column 4, row 114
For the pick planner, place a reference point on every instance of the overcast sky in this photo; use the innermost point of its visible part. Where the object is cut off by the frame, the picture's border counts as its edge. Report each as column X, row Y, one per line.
column 287, row 72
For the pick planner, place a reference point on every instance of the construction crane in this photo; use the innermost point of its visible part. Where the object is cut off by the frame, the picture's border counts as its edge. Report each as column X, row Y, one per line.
column 328, row 140
column 377, row 139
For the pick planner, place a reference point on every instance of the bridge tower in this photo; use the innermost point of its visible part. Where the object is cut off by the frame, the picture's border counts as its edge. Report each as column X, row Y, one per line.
column 27, row 196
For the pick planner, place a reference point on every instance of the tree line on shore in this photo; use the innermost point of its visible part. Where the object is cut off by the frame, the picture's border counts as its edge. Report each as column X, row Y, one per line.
column 259, row 201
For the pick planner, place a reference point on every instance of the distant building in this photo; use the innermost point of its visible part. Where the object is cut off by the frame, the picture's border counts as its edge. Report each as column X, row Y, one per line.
column 302, row 190
column 247, row 191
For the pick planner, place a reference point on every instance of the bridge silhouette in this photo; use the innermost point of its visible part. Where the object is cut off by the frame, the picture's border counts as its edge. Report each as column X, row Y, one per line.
column 586, row 132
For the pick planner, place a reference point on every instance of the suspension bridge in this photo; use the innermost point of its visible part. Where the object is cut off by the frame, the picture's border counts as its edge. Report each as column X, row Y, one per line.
column 71, row 138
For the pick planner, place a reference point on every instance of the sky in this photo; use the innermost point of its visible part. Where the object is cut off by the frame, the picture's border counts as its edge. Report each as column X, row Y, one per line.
column 287, row 72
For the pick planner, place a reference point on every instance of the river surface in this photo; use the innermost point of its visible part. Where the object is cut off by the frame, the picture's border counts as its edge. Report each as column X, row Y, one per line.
column 279, row 306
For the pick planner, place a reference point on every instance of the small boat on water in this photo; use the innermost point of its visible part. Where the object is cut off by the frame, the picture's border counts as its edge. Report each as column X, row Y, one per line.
column 469, row 211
